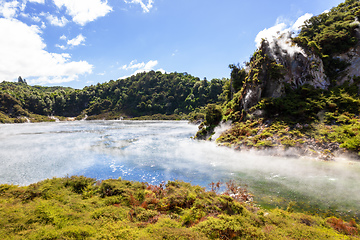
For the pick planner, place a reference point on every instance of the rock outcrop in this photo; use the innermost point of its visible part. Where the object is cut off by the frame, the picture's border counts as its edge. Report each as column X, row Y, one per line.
column 352, row 58
column 300, row 66
column 281, row 63
column 310, row 80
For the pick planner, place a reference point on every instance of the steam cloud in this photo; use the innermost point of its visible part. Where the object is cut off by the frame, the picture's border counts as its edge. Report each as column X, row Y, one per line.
column 280, row 34
column 160, row 151
column 220, row 129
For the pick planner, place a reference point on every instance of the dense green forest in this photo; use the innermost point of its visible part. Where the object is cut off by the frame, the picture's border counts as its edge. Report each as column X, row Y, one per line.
column 143, row 94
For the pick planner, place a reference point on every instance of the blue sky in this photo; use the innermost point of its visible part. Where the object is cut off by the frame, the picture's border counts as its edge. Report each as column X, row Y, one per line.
column 78, row 43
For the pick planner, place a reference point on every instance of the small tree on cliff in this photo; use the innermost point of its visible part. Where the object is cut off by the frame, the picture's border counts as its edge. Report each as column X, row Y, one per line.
column 213, row 116
column 20, row 80
column 238, row 75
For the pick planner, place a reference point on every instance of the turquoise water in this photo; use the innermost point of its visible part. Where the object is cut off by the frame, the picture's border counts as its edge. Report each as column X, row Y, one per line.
column 156, row 151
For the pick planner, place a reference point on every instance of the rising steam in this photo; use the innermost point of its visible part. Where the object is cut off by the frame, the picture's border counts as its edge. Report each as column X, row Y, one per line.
column 161, row 151
column 280, row 35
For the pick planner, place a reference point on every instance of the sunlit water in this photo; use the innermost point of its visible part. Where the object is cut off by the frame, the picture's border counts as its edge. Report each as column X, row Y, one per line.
column 156, row 151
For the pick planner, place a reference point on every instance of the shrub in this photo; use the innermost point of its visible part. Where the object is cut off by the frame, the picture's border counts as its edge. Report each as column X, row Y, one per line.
column 343, row 227
column 213, row 115
column 79, row 183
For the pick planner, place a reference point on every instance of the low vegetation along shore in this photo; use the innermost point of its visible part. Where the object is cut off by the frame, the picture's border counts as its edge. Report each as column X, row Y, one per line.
column 82, row 208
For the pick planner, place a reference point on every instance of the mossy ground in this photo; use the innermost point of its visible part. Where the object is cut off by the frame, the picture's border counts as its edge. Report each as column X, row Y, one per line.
column 318, row 139
column 317, row 122
column 82, row 208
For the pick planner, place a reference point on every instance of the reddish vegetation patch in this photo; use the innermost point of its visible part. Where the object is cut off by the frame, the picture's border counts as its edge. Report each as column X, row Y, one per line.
column 343, row 227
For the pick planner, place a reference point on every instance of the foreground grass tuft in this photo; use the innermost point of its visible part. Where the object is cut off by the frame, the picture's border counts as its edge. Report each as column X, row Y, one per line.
column 82, row 208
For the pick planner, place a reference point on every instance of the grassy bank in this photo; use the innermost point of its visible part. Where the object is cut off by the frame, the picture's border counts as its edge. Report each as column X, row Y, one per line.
column 83, row 208
column 318, row 140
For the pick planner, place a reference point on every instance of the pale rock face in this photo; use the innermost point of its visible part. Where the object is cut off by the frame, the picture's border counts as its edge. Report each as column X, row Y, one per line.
column 299, row 68
column 353, row 70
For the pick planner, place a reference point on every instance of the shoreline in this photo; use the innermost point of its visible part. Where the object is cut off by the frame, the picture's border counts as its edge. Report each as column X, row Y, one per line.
column 297, row 152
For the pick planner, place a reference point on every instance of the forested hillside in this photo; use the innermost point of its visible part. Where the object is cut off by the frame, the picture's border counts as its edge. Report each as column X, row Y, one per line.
column 144, row 94
column 331, row 34
column 307, row 100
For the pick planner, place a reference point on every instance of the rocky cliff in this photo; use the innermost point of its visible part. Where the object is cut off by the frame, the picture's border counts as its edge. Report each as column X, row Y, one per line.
column 302, row 93
column 352, row 59
column 280, row 62
column 300, row 66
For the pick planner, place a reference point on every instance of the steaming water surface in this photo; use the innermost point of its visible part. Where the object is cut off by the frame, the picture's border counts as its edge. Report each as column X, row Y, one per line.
column 156, row 151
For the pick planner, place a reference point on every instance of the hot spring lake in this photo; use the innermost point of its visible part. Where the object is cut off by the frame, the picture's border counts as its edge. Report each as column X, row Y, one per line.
column 156, row 151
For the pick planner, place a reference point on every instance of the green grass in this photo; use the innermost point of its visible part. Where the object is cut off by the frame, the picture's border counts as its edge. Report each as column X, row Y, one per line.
column 82, row 208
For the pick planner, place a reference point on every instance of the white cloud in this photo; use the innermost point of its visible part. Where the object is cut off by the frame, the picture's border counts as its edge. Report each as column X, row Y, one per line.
column 36, row 19
column 37, row 1
column 76, row 41
column 280, row 28
column 23, row 6
column 9, row 9
column 55, row 21
column 25, row 15
column 145, row 7
column 174, row 53
column 61, row 46
column 79, row 40
column 133, row 65
column 84, row 11
column 141, row 67
column 300, row 21
column 25, row 56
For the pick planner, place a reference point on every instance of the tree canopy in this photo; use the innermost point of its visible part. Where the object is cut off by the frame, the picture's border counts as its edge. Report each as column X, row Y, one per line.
column 143, row 94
